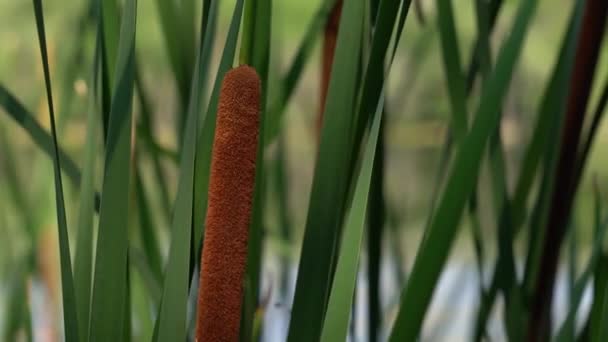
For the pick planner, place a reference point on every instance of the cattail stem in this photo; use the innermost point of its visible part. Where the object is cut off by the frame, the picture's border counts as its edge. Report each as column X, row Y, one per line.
column 329, row 47
column 590, row 39
column 231, row 188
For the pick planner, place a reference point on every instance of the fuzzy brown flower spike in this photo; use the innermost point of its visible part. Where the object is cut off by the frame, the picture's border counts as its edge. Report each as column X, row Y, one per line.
column 231, row 187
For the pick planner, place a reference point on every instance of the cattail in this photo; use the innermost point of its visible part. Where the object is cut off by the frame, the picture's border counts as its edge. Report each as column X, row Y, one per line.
column 586, row 59
column 329, row 47
column 231, row 187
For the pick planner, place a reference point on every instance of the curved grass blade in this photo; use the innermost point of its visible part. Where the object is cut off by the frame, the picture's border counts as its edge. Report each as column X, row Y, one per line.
column 568, row 325
column 171, row 320
column 595, row 329
column 16, row 110
column 330, row 186
column 599, row 329
column 178, row 47
column 16, row 305
column 15, row 185
column 260, row 52
column 376, row 219
column 39, row 135
column 335, row 326
column 145, row 131
column 550, row 105
column 207, row 133
column 67, row 281
column 110, row 26
column 148, row 229
column 138, row 262
column 591, row 132
column 486, row 23
column 374, row 73
column 109, row 287
column 453, row 67
column 83, row 262
column 294, row 73
column 556, row 89
column 587, row 54
column 441, row 232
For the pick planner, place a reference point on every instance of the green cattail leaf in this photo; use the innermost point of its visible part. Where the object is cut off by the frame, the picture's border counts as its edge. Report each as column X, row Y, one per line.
column 148, row 228
column 70, row 315
column 15, row 183
column 260, row 56
column 172, row 314
column 569, row 324
column 17, row 305
column 145, row 132
column 329, row 187
column 83, row 262
column 335, row 326
column 24, row 118
column 294, row 74
column 442, row 229
column 375, row 70
column 171, row 321
column 547, row 152
column 207, row 132
column 552, row 100
column 110, row 19
column 453, row 68
column 109, row 285
column 178, row 32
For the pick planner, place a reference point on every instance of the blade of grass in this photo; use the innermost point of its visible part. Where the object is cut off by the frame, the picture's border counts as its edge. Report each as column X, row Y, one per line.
column 453, row 68
column 142, row 330
column 556, row 89
column 74, row 65
column 294, row 73
column 152, row 285
column 109, row 286
column 259, row 60
column 83, row 261
column 461, row 181
column 568, row 326
column 599, row 330
column 376, row 218
column 16, row 305
column 39, row 135
column 127, row 309
column 148, row 228
column 588, row 48
column 591, row 132
column 110, row 27
column 492, row 10
column 179, row 43
column 248, row 32
column 15, row 185
column 145, row 129
column 70, row 316
column 545, row 123
column 335, row 326
column 374, row 72
column 171, row 320
column 595, row 328
column 16, row 110
column 207, row 131
column 284, row 212
column 329, row 188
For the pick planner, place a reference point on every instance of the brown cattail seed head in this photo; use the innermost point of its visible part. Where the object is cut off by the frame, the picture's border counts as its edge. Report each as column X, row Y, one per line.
column 231, row 187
